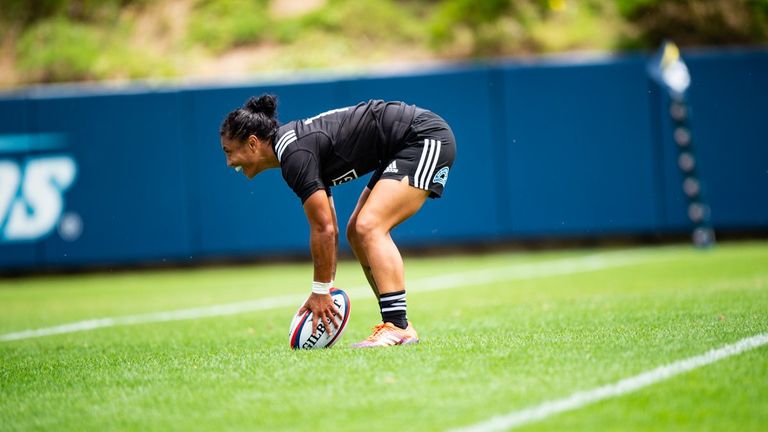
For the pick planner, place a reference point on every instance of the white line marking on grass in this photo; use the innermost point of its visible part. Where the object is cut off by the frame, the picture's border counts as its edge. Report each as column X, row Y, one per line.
column 177, row 315
column 522, row 271
column 564, row 266
column 627, row 385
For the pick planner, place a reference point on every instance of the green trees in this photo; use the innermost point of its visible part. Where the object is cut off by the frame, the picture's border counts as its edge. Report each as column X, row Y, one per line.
column 72, row 40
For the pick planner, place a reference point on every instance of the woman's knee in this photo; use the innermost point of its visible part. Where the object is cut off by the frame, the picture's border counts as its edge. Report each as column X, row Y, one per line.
column 367, row 228
column 352, row 231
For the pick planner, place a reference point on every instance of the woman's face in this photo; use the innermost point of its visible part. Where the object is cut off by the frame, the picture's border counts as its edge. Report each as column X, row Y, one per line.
column 241, row 155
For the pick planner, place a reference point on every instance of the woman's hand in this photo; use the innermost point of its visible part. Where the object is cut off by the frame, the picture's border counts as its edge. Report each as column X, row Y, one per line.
column 323, row 310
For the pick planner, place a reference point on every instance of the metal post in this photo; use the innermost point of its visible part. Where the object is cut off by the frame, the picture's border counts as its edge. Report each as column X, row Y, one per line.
column 670, row 72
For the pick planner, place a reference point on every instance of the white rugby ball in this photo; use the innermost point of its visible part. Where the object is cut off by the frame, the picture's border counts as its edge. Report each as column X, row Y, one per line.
column 300, row 334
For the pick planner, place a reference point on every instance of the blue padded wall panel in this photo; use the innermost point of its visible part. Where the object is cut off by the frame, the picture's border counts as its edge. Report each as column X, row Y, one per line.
column 14, row 121
column 548, row 148
column 729, row 104
column 580, row 158
column 130, row 191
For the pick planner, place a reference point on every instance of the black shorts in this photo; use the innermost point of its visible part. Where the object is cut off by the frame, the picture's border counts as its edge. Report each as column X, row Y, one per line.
column 426, row 157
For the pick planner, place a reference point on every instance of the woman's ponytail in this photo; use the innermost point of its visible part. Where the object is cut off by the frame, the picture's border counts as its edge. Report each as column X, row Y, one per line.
column 256, row 117
column 266, row 104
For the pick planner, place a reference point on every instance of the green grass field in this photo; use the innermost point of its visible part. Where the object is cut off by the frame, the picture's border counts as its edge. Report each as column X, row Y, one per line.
column 500, row 333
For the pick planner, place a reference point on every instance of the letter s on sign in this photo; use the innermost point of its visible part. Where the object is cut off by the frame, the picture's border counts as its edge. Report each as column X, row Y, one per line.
column 41, row 203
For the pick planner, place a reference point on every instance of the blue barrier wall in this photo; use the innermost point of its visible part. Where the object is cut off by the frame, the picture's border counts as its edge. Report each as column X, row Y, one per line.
column 545, row 149
column 131, row 186
column 579, row 151
column 729, row 104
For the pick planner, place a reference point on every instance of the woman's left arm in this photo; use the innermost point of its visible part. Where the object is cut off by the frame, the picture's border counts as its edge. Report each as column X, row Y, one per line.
column 323, row 239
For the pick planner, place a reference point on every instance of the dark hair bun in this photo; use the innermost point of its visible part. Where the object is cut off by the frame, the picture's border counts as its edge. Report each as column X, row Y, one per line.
column 266, row 104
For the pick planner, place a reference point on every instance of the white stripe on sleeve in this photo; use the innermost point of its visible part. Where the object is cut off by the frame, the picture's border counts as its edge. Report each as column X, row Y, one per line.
column 286, row 139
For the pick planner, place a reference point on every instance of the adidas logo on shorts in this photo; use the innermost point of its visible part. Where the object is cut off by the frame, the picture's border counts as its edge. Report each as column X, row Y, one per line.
column 391, row 168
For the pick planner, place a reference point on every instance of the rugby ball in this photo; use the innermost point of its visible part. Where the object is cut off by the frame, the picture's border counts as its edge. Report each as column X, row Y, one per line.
column 300, row 334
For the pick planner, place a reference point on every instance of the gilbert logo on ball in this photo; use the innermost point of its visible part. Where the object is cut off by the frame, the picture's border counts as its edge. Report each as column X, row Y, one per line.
column 300, row 334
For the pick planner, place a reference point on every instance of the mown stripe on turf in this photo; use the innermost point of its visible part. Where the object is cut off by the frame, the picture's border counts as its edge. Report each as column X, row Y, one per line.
column 558, row 267
column 627, row 385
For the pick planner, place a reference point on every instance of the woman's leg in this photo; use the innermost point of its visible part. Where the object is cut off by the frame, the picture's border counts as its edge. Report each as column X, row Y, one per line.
column 389, row 203
column 386, row 206
column 357, row 247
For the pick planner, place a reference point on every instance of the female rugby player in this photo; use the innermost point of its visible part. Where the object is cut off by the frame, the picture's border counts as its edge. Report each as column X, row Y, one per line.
column 411, row 151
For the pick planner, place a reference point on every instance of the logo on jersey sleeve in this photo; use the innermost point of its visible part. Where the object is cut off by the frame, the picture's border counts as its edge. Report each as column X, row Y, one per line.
column 441, row 176
column 347, row 176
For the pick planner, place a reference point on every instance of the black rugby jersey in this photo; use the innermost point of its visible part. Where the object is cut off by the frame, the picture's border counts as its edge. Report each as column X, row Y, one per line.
column 340, row 145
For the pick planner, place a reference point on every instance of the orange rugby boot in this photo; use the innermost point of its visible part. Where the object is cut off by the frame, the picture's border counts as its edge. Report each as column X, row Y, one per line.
column 388, row 334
